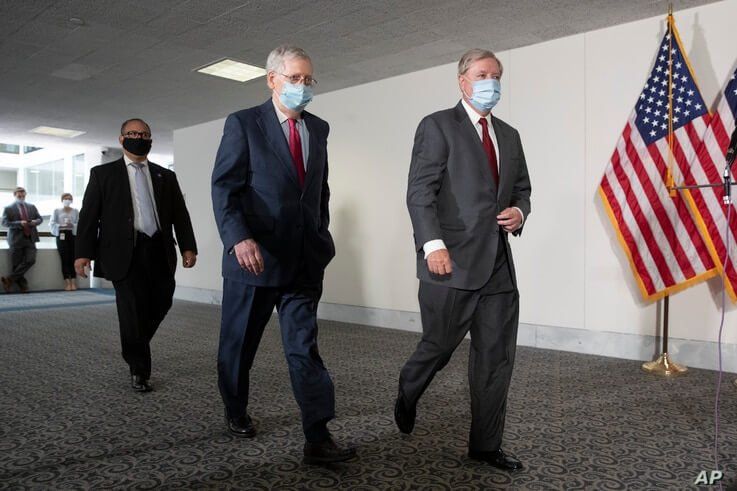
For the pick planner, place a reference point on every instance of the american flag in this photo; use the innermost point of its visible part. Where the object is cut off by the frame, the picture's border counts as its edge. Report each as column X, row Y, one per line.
column 653, row 224
column 708, row 167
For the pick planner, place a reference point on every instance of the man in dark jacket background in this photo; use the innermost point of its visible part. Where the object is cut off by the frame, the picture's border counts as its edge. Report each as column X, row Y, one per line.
column 129, row 209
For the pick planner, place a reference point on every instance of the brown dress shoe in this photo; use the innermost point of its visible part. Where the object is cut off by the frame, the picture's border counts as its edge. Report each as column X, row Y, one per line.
column 7, row 284
column 327, row 452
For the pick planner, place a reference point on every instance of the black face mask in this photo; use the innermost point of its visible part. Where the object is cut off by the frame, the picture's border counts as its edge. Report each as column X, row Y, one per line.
column 137, row 146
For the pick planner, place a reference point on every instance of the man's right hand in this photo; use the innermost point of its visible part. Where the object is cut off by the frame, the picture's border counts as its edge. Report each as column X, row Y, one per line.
column 80, row 265
column 249, row 256
column 438, row 262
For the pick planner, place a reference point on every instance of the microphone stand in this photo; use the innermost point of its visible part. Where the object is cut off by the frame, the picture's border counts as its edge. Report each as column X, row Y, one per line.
column 663, row 365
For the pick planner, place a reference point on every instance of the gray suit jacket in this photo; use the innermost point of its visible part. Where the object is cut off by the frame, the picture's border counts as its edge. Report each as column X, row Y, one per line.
column 451, row 194
column 11, row 219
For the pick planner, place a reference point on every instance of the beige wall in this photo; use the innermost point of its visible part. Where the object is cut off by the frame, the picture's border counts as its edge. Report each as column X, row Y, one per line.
column 569, row 99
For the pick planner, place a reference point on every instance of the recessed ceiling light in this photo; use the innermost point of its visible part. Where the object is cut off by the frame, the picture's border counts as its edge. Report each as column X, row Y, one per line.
column 233, row 70
column 62, row 132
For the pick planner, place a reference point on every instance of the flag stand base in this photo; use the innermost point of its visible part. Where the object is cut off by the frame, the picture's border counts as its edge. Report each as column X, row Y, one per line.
column 663, row 366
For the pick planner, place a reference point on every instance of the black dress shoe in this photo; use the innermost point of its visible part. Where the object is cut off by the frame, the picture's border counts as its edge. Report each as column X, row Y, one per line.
column 140, row 384
column 498, row 459
column 404, row 416
column 241, row 426
column 327, row 452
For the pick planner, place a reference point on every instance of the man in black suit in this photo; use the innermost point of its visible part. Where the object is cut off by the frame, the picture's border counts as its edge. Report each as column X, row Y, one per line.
column 128, row 212
column 21, row 218
column 270, row 197
column 468, row 189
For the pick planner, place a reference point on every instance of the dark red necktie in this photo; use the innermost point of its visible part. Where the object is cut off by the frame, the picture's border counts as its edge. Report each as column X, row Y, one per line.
column 489, row 149
column 24, row 216
column 295, row 148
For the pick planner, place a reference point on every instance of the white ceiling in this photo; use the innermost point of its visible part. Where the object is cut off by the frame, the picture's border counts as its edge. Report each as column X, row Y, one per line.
column 135, row 58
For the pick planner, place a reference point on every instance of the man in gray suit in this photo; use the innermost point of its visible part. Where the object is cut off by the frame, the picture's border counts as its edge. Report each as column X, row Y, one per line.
column 468, row 189
column 21, row 218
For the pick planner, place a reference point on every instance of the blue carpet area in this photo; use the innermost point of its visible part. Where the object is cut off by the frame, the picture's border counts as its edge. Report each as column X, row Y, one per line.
column 52, row 299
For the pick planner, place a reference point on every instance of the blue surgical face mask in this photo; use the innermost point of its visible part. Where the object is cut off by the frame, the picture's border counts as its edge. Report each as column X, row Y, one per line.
column 295, row 97
column 486, row 94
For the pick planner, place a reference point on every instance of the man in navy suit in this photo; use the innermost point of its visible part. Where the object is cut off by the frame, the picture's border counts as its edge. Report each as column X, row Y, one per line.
column 270, row 198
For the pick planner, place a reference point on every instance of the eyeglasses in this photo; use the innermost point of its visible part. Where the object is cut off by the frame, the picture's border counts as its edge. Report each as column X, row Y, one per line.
column 137, row 134
column 295, row 79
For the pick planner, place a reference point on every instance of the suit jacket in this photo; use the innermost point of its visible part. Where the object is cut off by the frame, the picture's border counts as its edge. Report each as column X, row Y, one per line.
column 11, row 219
column 105, row 230
column 256, row 195
column 451, row 194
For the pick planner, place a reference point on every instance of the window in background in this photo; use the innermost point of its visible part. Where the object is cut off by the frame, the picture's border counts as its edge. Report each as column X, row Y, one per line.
column 8, row 180
column 79, row 171
column 45, row 181
column 8, row 148
column 31, row 149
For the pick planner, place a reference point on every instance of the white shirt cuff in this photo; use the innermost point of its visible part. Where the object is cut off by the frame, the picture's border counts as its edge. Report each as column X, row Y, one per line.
column 432, row 246
column 523, row 218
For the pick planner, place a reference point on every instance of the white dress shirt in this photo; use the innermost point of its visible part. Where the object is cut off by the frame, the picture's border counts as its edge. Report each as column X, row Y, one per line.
column 134, row 193
column 304, row 134
column 436, row 244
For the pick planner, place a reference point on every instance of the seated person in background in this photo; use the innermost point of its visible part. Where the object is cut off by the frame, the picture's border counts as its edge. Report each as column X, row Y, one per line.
column 21, row 218
column 64, row 227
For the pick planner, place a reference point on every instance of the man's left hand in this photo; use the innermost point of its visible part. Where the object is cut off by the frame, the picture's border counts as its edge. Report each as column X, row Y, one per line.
column 509, row 219
column 189, row 259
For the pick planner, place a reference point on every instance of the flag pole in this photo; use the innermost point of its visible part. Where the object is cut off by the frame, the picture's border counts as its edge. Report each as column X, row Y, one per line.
column 663, row 365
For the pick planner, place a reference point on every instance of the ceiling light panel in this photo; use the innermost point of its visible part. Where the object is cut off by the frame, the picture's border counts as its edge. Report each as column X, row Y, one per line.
column 232, row 70
column 62, row 132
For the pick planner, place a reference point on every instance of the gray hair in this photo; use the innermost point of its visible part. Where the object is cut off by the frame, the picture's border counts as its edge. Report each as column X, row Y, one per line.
column 473, row 55
column 275, row 60
column 128, row 121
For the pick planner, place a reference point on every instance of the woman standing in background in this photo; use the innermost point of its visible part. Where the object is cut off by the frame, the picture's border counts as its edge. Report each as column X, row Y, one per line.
column 64, row 227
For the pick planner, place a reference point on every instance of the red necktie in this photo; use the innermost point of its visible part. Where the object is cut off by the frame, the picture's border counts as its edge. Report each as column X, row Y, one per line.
column 24, row 216
column 489, row 149
column 295, row 148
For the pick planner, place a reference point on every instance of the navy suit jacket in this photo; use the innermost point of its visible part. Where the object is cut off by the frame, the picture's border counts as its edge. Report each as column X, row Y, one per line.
column 256, row 195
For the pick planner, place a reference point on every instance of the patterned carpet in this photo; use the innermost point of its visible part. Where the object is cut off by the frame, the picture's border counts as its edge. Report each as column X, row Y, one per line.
column 69, row 421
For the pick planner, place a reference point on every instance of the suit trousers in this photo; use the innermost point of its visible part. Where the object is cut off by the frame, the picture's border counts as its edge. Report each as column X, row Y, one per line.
column 65, row 246
column 246, row 310
column 491, row 314
column 22, row 257
column 143, row 297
